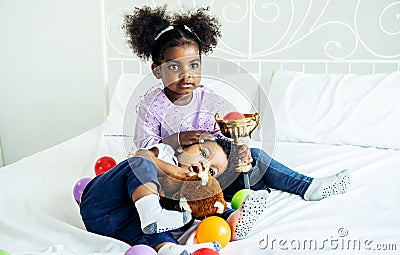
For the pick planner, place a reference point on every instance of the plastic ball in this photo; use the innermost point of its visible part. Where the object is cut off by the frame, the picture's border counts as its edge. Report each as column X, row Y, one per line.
column 4, row 252
column 80, row 185
column 234, row 116
column 140, row 249
column 205, row 251
column 238, row 198
column 104, row 164
column 212, row 229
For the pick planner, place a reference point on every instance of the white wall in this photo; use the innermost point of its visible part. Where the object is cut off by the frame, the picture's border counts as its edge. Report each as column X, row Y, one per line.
column 51, row 73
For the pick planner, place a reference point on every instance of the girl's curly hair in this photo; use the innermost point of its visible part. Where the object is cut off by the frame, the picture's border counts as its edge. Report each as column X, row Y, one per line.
column 225, row 145
column 142, row 28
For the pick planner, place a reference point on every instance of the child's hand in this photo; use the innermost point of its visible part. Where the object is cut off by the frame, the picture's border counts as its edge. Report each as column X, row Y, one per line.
column 183, row 172
column 192, row 137
column 169, row 169
column 244, row 154
column 186, row 138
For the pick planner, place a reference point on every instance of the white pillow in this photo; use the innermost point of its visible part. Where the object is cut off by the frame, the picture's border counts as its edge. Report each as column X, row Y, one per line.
column 241, row 89
column 127, row 84
column 340, row 109
column 130, row 87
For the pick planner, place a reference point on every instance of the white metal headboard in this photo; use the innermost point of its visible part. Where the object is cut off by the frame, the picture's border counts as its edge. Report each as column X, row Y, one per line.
column 301, row 35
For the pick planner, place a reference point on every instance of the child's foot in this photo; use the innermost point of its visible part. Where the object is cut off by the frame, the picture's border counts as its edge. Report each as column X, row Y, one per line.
column 155, row 219
column 321, row 188
column 243, row 220
column 175, row 249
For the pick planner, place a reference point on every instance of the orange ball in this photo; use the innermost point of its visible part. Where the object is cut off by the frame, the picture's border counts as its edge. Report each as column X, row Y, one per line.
column 212, row 229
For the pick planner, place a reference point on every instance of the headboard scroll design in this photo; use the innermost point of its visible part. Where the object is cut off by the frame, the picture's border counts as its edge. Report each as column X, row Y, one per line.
column 357, row 36
column 288, row 29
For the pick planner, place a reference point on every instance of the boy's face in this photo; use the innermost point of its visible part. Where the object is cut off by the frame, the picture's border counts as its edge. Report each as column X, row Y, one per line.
column 207, row 156
column 180, row 70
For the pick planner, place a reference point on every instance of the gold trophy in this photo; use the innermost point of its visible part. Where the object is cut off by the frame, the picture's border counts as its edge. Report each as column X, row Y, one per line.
column 237, row 129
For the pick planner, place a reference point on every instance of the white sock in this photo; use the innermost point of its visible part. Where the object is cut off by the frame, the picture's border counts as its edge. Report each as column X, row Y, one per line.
column 155, row 219
column 176, row 249
column 243, row 220
column 321, row 188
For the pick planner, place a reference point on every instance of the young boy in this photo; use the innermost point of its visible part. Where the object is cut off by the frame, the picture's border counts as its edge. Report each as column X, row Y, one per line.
column 123, row 202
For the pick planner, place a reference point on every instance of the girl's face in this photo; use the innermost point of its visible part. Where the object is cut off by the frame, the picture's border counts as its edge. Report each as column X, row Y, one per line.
column 180, row 71
column 207, row 156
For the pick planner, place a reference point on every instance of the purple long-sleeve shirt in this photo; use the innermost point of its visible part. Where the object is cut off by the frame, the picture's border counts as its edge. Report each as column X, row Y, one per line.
column 158, row 117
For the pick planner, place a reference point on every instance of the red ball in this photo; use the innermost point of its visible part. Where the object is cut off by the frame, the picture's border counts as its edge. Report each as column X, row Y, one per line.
column 104, row 164
column 234, row 116
column 205, row 251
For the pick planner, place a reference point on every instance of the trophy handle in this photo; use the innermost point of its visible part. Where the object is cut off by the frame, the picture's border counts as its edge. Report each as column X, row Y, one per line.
column 217, row 116
column 256, row 118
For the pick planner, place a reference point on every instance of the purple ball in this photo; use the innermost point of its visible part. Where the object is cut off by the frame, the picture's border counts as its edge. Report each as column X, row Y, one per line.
column 140, row 249
column 79, row 187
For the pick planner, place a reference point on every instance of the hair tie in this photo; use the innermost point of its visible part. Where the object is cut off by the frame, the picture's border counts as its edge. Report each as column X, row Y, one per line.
column 187, row 28
column 190, row 30
column 172, row 27
column 163, row 31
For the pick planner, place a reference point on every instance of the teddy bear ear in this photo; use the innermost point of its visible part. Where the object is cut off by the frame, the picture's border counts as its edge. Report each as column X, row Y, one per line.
column 184, row 205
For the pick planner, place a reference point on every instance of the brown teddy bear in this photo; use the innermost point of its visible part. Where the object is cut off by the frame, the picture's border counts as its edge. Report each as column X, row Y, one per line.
column 199, row 194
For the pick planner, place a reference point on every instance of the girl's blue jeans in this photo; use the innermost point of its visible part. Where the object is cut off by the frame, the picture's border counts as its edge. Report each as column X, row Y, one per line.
column 269, row 173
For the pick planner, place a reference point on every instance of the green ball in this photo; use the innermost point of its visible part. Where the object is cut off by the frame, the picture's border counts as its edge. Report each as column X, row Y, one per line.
column 4, row 252
column 239, row 196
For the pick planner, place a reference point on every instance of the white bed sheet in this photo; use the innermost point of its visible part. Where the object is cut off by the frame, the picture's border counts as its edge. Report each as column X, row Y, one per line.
column 39, row 214
column 369, row 212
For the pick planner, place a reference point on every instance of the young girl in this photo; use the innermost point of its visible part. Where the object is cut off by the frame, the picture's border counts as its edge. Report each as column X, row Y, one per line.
column 175, row 113
column 123, row 202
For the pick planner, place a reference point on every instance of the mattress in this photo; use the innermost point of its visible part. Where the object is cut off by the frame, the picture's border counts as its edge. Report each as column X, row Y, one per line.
column 40, row 216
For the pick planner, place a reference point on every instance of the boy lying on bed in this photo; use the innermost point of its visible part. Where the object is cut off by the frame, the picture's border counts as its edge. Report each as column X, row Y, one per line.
column 123, row 203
